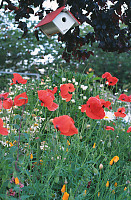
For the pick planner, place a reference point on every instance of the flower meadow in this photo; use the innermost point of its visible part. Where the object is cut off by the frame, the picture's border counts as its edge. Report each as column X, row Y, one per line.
column 65, row 136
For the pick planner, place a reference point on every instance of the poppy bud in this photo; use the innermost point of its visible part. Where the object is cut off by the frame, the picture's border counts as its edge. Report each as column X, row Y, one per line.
column 88, row 126
column 51, row 120
column 100, row 166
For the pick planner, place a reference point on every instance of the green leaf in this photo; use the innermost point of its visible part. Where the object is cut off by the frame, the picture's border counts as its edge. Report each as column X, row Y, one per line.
column 17, row 117
column 95, row 171
column 26, row 136
column 25, row 196
column 3, row 196
column 96, row 78
column 90, row 75
column 109, row 144
column 22, row 98
column 56, row 179
column 13, row 149
column 16, row 126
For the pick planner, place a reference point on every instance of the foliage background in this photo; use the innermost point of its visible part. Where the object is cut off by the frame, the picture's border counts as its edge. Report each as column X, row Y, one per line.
column 17, row 54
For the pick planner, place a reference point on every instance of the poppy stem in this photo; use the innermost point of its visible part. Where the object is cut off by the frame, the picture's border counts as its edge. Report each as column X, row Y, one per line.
column 19, row 140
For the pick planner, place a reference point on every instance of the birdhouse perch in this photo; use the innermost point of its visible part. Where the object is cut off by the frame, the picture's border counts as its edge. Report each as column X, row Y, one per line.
column 58, row 21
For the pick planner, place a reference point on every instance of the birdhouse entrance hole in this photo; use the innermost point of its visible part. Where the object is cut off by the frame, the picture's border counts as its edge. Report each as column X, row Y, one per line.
column 64, row 19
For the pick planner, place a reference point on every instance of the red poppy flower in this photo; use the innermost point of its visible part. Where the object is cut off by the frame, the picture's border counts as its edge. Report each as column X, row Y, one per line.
column 93, row 108
column 104, row 103
column 47, row 99
column 65, row 125
column 129, row 130
column 109, row 128
column 18, row 79
column 106, row 75
column 65, row 89
column 112, row 80
column 7, row 103
column 52, row 91
column 120, row 112
column 21, row 99
column 3, row 131
column 124, row 97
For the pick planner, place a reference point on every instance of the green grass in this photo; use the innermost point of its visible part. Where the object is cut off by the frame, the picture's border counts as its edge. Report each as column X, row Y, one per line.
column 77, row 163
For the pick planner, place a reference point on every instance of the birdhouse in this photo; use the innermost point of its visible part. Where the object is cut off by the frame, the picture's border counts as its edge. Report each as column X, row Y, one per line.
column 58, row 21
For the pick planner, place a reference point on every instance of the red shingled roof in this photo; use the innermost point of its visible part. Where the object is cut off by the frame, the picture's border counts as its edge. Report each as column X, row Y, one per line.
column 52, row 16
column 49, row 17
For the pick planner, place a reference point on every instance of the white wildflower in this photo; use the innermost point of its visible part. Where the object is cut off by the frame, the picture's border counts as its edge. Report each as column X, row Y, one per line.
column 76, row 83
column 73, row 100
column 84, row 97
column 63, row 79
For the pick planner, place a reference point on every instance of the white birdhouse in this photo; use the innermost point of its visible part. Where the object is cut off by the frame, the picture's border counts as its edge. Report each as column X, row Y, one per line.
column 58, row 21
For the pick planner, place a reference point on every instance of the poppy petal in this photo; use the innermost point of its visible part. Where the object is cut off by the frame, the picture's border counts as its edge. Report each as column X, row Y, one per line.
column 4, row 95
column 106, row 75
column 1, row 122
column 83, row 109
column 18, row 79
column 21, row 99
column 71, row 87
column 3, row 131
column 7, row 104
column 64, row 89
column 95, row 115
column 109, row 128
column 53, row 107
column 129, row 130
column 1, row 104
column 62, row 123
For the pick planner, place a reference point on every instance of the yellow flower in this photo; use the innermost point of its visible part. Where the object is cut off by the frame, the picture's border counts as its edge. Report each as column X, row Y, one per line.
column 107, row 184
column 35, row 124
column 90, row 70
column 113, row 191
column 11, row 145
column 33, row 115
column 94, row 145
column 63, row 189
column 15, row 142
column 111, row 162
column 106, row 117
column 98, row 194
column 125, row 188
column 16, row 181
column 115, row 184
column 31, row 156
column 65, row 196
column 84, row 193
column 68, row 142
column 67, row 150
column 114, row 159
